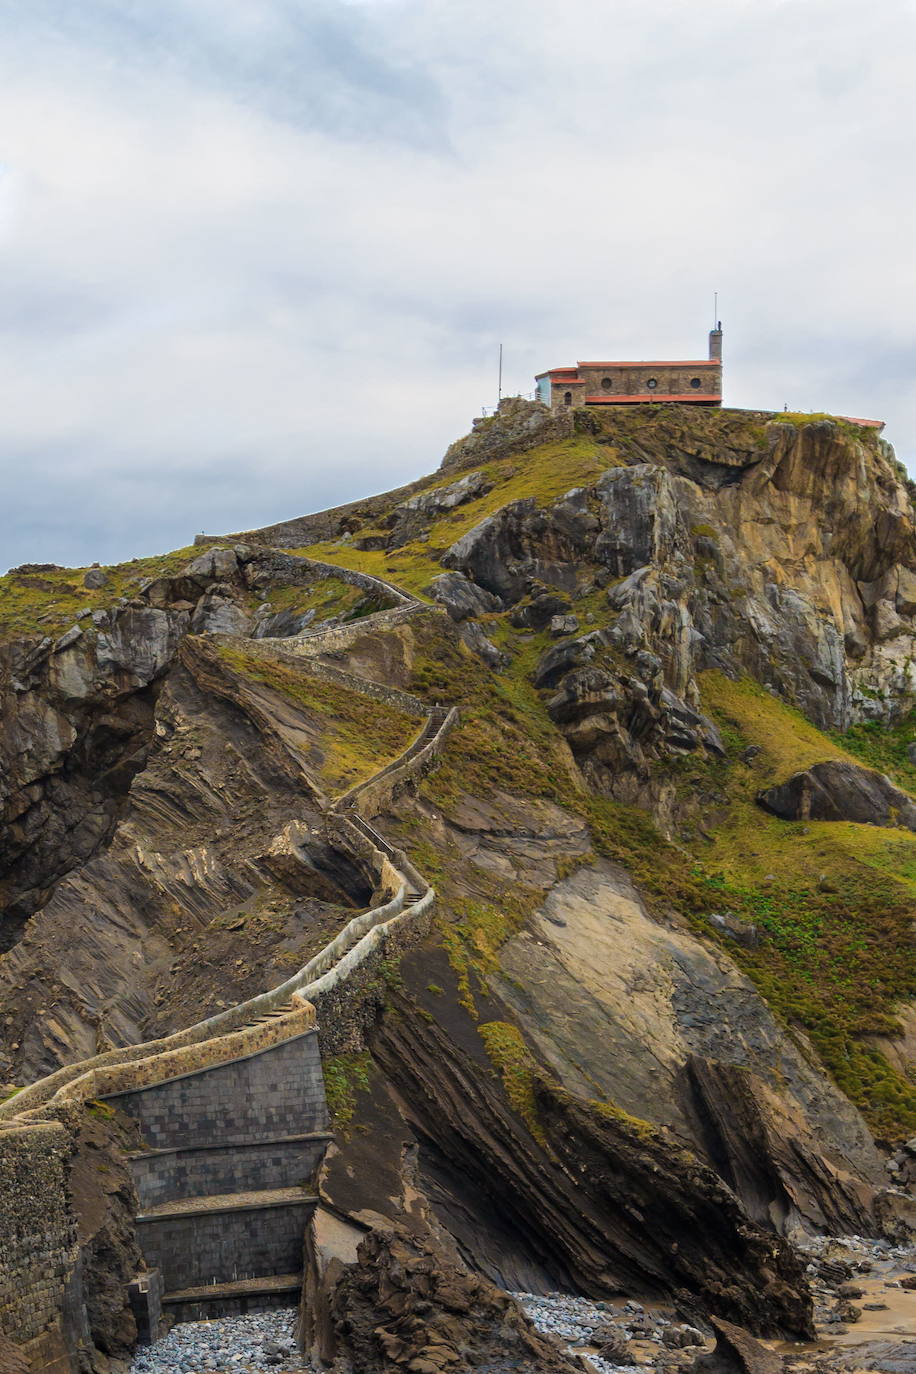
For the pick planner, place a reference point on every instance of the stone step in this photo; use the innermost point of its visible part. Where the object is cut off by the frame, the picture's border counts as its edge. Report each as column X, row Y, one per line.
column 227, row 1202
column 238, row 1288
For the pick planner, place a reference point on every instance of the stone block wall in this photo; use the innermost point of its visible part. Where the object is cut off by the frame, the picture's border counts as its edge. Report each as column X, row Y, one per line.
column 195, row 1172
column 219, row 1247
column 277, row 1092
column 340, row 637
column 39, row 1254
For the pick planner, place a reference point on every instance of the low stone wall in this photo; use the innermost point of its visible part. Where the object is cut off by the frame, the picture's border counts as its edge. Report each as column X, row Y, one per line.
column 339, row 637
column 372, row 796
column 348, row 998
column 246, row 1089
column 360, row 579
column 283, row 650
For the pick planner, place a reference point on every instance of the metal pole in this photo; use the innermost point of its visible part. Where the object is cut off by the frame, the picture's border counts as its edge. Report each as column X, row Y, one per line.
column 715, row 309
column 500, row 372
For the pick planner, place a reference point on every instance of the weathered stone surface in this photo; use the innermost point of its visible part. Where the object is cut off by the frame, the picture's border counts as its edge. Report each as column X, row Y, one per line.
column 840, row 791
column 214, row 564
column 612, row 1206
column 518, row 426
column 403, row 1304
column 736, row 1352
column 674, row 1034
column 461, row 597
column 539, row 611
column 474, row 637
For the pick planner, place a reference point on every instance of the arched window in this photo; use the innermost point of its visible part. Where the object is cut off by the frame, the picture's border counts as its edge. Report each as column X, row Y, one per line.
column 695, row 383
column 652, row 383
column 607, row 384
column 567, row 399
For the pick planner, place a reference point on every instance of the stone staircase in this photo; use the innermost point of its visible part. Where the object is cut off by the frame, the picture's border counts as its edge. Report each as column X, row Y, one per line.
column 231, row 1110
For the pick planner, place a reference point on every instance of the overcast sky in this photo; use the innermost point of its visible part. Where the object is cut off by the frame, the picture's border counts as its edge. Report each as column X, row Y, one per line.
column 258, row 255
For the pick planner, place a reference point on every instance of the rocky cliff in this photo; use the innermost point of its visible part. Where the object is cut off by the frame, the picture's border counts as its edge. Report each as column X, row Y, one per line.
column 662, row 1024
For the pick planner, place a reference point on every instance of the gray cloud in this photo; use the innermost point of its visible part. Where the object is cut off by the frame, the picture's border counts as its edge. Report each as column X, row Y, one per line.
column 258, row 259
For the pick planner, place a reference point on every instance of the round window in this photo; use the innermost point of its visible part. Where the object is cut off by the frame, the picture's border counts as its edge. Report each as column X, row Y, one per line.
column 652, row 383
column 607, row 384
column 695, row 383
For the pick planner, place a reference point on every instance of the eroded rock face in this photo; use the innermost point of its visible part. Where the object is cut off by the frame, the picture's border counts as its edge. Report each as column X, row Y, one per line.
column 611, row 1207
column 518, row 426
column 840, row 791
column 406, row 1305
column 671, row 1031
column 794, row 562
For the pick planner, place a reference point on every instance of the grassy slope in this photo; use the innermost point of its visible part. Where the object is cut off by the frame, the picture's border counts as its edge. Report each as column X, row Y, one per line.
column 544, row 474
column 834, row 902
column 356, row 735
column 48, row 602
column 328, row 597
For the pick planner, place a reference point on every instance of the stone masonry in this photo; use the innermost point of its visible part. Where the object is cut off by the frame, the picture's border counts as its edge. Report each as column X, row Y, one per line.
column 224, row 1188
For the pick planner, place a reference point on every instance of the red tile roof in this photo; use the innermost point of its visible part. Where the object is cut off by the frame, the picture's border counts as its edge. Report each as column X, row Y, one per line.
column 620, row 399
column 654, row 362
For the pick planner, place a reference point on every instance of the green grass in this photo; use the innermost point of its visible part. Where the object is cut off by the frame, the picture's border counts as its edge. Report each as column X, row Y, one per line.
column 863, row 433
column 356, row 734
column 883, row 747
column 508, row 1053
column 345, row 1075
column 328, row 597
column 543, row 474
column 48, row 602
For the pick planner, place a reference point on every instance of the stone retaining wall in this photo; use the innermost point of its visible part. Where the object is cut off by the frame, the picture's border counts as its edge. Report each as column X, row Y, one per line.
column 339, row 637
column 360, row 579
column 39, row 1254
column 250, row 1244
column 232, row 1168
column 271, row 1092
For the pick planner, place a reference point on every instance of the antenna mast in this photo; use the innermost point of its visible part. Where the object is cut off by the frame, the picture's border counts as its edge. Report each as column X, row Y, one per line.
column 715, row 310
column 500, row 391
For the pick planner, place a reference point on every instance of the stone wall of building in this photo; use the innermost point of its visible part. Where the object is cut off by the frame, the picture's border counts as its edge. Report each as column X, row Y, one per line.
column 596, row 384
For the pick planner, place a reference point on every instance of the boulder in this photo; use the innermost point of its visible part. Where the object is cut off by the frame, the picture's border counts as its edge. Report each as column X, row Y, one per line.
column 404, row 1304
column 473, row 636
column 840, row 791
column 736, row 1352
column 219, row 615
column 461, row 597
column 538, row 612
column 214, row 564
column 95, row 579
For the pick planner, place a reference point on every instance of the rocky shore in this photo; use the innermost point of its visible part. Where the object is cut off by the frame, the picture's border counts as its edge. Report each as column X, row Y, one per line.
column 257, row 1343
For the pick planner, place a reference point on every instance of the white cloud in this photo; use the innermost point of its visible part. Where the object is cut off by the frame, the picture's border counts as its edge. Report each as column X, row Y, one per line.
column 255, row 259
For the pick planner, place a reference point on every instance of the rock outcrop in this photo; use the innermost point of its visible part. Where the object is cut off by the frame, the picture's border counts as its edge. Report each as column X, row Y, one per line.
column 839, row 791
column 404, row 1305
